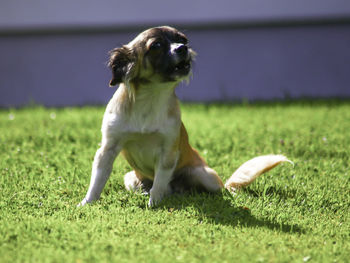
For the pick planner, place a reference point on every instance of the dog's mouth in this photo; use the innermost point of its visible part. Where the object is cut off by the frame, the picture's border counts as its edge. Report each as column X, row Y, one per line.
column 183, row 65
column 182, row 68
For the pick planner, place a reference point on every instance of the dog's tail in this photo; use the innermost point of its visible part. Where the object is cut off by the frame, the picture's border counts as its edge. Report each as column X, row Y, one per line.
column 251, row 169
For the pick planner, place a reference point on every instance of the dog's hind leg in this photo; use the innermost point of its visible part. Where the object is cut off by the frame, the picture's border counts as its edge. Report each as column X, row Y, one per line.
column 203, row 177
column 133, row 183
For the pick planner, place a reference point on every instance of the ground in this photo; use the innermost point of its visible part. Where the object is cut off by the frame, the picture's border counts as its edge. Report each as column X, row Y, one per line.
column 290, row 214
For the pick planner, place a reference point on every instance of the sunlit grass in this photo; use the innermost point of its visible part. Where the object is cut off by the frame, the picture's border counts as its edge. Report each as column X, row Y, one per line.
column 291, row 214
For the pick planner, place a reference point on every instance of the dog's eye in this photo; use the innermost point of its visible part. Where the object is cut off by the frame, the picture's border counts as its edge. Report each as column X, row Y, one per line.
column 156, row 45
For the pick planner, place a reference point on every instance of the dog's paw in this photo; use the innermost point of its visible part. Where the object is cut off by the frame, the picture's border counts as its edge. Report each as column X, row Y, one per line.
column 152, row 202
column 82, row 203
column 156, row 195
column 154, row 199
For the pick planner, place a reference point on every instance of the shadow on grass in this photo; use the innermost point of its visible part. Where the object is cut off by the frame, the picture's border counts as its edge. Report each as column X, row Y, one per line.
column 271, row 190
column 217, row 208
column 220, row 209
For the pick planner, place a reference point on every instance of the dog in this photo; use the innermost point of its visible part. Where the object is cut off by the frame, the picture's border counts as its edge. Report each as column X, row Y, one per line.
column 142, row 121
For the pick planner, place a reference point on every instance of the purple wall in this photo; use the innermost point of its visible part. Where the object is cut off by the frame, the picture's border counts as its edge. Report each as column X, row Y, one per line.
column 232, row 64
column 269, row 63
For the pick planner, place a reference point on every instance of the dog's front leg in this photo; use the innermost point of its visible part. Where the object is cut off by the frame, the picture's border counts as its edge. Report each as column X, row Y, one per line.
column 101, row 169
column 163, row 175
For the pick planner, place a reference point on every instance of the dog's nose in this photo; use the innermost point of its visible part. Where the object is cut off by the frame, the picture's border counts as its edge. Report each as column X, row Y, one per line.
column 181, row 50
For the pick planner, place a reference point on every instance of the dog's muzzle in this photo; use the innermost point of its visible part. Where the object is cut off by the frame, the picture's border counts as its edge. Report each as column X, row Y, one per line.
column 182, row 59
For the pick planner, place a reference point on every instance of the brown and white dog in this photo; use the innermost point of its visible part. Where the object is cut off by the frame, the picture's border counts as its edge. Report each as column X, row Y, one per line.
column 143, row 122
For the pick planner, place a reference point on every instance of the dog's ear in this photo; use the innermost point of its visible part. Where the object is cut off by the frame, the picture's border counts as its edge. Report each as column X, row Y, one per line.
column 121, row 63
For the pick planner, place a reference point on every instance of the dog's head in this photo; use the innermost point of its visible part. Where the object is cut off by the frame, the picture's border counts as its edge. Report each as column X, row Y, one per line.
column 160, row 54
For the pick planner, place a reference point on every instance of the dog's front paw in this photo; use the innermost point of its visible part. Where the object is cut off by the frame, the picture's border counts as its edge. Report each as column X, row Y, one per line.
column 156, row 195
column 153, row 201
column 83, row 202
column 155, row 198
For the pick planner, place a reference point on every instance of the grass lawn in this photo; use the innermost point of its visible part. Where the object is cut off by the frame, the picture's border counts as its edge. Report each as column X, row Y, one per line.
column 290, row 214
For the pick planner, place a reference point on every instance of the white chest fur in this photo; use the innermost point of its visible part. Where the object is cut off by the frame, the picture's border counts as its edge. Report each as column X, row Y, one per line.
column 144, row 126
column 149, row 111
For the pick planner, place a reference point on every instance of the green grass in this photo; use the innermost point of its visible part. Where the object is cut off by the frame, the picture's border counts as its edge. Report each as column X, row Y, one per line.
column 290, row 214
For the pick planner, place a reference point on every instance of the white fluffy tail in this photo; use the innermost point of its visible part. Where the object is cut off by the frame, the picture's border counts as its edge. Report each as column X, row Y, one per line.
column 251, row 169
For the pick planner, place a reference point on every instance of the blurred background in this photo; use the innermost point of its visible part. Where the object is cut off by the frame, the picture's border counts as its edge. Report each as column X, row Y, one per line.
column 54, row 53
